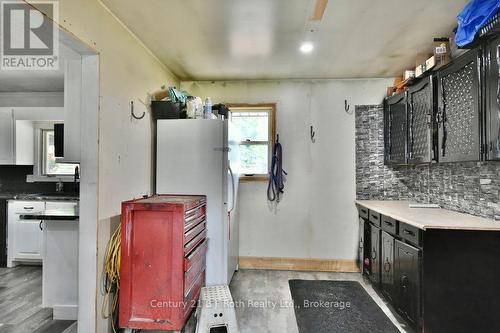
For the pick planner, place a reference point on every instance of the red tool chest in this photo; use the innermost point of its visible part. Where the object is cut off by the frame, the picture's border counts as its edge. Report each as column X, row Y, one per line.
column 163, row 255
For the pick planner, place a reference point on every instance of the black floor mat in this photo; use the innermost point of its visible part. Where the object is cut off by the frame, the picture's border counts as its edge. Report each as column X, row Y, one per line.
column 337, row 306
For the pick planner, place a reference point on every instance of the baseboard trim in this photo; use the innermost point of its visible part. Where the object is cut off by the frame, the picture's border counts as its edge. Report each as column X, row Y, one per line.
column 65, row 312
column 298, row 264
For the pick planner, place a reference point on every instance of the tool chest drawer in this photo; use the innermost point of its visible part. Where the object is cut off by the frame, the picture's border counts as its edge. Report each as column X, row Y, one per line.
column 163, row 258
column 188, row 236
column 196, row 255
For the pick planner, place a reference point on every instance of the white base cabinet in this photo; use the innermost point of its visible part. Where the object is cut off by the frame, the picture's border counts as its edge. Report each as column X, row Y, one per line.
column 24, row 237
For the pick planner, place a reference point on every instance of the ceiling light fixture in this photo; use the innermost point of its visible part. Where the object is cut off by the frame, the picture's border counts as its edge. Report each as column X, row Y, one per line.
column 306, row 47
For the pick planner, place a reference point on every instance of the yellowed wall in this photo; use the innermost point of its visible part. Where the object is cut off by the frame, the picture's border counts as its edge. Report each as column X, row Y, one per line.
column 128, row 71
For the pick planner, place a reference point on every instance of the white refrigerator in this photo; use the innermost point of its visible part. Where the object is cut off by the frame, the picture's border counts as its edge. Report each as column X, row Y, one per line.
column 201, row 156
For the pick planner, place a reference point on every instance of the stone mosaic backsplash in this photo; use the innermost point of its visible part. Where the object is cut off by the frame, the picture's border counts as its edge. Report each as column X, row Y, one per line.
column 471, row 187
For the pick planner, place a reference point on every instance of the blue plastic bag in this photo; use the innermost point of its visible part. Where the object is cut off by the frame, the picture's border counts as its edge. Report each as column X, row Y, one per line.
column 473, row 17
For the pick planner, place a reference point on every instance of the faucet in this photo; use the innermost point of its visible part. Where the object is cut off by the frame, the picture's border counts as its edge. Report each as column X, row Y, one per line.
column 77, row 174
column 59, row 186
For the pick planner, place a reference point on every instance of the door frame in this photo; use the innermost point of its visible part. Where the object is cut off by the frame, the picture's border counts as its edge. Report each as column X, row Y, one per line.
column 89, row 181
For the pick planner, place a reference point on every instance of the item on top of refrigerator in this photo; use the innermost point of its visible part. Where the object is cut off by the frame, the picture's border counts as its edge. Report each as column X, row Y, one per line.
column 177, row 95
column 166, row 110
column 208, row 108
column 221, row 109
column 160, row 95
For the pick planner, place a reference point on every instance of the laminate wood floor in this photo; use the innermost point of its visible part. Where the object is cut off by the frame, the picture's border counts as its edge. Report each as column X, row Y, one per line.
column 21, row 303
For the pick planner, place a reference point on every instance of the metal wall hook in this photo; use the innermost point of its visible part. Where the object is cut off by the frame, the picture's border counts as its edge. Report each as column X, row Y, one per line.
column 132, row 112
column 313, row 134
column 347, row 107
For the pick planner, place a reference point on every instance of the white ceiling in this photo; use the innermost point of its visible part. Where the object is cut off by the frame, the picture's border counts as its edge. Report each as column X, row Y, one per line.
column 259, row 39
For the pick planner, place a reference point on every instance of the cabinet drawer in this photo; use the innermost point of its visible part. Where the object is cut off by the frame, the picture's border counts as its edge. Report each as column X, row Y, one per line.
column 192, row 292
column 389, row 224
column 363, row 212
column 195, row 212
column 374, row 218
column 188, row 236
column 195, row 270
column 196, row 255
column 28, row 207
column 195, row 241
column 409, row 233
column 194, row 222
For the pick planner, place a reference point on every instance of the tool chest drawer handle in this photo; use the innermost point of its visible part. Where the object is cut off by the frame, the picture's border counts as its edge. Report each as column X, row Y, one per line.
column 193, row 232
column 192, row 223
column 375, row 217
column 363, row 211
column 196, row 251
column 389, row 223
column 195, row 241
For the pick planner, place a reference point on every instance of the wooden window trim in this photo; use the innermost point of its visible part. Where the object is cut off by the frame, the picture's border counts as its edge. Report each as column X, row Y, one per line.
column 272, row 141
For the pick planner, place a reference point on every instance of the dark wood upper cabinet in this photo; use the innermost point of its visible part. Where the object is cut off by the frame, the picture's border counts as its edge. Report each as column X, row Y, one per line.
column 493, row 100
column 421, row 121
column 459, row 109
column 395, row 134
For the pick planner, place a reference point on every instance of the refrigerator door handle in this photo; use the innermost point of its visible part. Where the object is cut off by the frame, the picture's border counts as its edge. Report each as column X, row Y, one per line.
column 233, row 188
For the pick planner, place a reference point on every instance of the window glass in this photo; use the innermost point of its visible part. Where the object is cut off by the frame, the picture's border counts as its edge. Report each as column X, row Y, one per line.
column 252, row 126
column 50, row 165
column 253, row 159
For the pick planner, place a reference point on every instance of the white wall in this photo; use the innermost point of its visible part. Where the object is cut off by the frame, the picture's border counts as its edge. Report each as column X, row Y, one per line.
column 128, row 71
column 31, row 99
column 317, row 216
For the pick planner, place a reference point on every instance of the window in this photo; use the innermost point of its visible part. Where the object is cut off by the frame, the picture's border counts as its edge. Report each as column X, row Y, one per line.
column 50, row 166
column 255, row 125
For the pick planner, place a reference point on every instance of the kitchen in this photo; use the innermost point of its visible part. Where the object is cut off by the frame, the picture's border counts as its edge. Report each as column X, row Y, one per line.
column 322, row 166
column 40, row 193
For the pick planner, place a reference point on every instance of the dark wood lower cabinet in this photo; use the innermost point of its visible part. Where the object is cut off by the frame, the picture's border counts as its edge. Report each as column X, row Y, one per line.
column 407, row 281
column 387, row 275
column 375, row 254
column 361, row 244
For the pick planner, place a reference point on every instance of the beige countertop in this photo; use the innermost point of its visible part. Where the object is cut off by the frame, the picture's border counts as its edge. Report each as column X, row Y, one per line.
column 429, row 218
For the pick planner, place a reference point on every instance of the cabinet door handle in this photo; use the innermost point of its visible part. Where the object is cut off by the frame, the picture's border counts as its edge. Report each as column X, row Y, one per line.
column 388, row 223
column 40, row 225
column 363, row 211
column 387, row 266
column 404, row 283
column 29, row 208
column 408, row 232
column 375, row 217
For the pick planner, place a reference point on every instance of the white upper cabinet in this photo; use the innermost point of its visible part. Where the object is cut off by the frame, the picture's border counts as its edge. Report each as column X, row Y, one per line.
column 25, row 142
column 6, row 136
